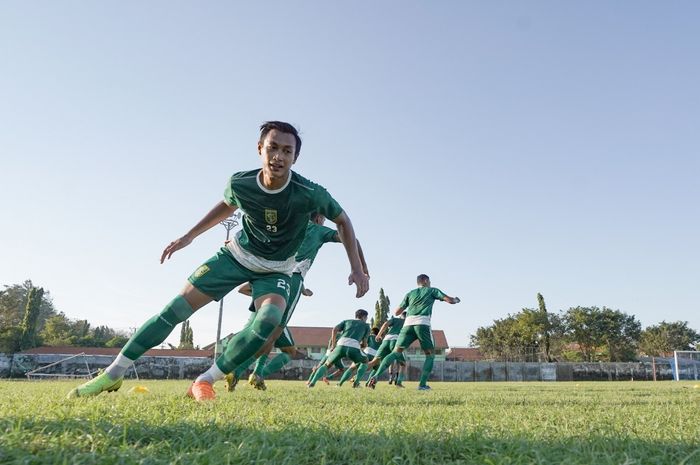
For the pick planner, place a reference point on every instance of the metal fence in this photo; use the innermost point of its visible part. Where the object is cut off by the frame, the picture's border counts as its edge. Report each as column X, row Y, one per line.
column 189, row 368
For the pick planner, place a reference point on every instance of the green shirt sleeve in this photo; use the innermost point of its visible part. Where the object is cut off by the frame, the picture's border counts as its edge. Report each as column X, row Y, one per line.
column 404, row 302
column 325, row 204
column 230, row 195
column 438, row 294
column 329, row 235
column 340, row 327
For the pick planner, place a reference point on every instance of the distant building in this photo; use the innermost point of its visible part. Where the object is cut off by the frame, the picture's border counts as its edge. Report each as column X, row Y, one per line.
column 314, row 340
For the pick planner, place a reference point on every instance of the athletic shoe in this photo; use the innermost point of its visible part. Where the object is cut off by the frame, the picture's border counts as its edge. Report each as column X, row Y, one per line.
column 101, row 383
column 231, row 381
column 355, row 385
column 257, row 382
column 400, row 385
column 201, row 391
column 372, row 383
column 424, row 388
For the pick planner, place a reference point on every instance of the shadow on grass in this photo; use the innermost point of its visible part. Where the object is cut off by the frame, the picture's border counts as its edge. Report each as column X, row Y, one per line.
column 73, row 441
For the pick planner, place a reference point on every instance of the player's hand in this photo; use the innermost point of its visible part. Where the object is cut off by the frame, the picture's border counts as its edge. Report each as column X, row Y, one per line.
column 457, row 300
column 361, row 281
column 307, row 292
column 378, row 338
column 175, row 245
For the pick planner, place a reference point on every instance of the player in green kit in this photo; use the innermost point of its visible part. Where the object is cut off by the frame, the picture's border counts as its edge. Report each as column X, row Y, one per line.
column 276, row 204
column 418, row 305
column 353, row 338
column 388, row 343
column 370, row 351
column 316, row 235
column 340, row 368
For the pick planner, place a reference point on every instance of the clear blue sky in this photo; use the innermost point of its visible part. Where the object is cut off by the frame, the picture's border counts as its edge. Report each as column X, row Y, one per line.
column 503, row 148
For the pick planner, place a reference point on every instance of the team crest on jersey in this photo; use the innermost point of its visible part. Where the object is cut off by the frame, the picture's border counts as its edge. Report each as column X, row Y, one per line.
column 270, row 216
column 201, row 271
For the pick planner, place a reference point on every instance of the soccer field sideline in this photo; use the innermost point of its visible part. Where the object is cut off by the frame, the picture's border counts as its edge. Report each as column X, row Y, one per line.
column 495, row 423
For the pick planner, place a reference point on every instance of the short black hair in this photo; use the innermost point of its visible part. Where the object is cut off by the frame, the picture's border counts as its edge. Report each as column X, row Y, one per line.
column 375, row 330
column 422, row 277
column 361, row 313
column 281, row 126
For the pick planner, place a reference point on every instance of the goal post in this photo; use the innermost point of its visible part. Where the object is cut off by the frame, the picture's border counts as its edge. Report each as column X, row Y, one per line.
column 686, row 365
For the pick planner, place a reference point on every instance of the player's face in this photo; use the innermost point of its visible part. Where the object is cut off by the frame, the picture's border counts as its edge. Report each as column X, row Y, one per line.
column 277, row 153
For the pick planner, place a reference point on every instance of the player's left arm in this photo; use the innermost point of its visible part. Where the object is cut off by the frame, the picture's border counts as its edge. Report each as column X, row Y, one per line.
column 399, row 310
column 347, row 237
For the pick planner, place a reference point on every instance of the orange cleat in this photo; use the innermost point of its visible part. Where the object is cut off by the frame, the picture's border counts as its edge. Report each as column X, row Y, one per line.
column 201, row 391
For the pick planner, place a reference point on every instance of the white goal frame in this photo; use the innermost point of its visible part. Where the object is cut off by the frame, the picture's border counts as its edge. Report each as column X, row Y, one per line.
column 676, row 365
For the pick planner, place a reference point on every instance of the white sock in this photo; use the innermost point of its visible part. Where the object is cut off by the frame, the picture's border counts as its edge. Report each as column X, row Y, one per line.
column 212, row 375
column 119, row 366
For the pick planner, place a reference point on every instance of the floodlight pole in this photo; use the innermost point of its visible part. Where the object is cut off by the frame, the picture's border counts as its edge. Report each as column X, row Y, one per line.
column 229, row 223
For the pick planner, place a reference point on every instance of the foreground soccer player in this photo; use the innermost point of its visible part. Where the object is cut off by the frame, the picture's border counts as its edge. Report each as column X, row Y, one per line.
column 418, row 304
column 353, row 337
column 315, row 237
column 277, row 203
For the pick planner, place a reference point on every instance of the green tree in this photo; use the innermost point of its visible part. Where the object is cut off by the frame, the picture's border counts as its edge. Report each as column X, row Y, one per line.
column 381, row 310
column 603, row 334
column 546, row 327
column 58, row 331
column 31, row 317
column 666, row 337
column 519, row 337
column 13, row 301
column 186, row 336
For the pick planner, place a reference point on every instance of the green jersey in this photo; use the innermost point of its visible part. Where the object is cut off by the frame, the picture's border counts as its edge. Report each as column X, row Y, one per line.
column 315, row 236
column 372, row 342
column 274, row 221
column 352, row 332
column 395, row 325
column 419, row 305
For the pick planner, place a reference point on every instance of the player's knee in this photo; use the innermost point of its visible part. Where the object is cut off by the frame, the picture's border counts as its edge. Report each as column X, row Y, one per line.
column 177, row 311
column 266, row 321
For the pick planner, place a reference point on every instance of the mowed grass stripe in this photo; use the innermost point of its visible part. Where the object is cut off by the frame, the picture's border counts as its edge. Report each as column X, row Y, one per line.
column 490, row 423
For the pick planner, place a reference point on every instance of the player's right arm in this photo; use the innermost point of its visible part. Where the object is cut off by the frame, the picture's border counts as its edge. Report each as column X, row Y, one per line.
column 451, row 300
column 220, row 212
column 382, row 331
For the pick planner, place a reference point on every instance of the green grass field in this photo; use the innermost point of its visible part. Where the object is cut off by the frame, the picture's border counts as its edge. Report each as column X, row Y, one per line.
column 467, row 423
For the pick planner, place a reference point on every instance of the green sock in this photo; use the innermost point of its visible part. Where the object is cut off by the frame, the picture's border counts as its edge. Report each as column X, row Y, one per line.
column 246, row 343
column 318, row 375
column 157, row 329
column 276, row 364
column 386, row 363
column 346, row 376
column 372, row 372
column 238, row 372
column 427, row 368
column 360, row 373
column 260, row 365
column 399, row 380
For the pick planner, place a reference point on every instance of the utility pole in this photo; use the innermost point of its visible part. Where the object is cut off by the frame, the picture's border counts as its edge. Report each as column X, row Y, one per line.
column 229, row 223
